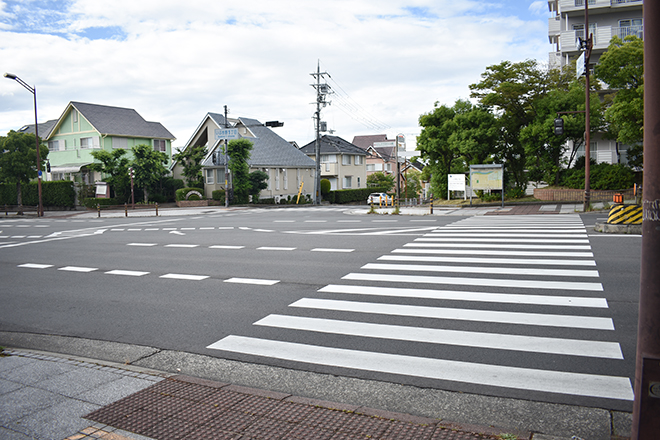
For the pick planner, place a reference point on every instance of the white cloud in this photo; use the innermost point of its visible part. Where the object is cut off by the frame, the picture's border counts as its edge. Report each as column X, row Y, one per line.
column 174, row 61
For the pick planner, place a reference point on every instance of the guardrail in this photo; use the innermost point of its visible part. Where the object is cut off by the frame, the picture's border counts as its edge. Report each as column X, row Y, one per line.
column 126, row 208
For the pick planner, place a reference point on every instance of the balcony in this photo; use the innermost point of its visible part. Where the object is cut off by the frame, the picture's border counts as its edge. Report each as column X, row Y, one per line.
column 566, row 6
column 554, row 26
column 568, row 39
column 329, row 169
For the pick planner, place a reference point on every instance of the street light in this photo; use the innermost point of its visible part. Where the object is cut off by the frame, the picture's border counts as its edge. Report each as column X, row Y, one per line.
column 33, row 90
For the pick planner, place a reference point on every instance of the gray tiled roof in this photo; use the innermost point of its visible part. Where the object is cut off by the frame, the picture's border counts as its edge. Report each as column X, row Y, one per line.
column 367, row 141
column 44, row 128
column 333, row 145
column 120, row 121
column 268, row 148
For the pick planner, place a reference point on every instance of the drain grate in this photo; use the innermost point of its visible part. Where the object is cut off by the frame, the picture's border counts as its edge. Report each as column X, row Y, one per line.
column 187, row 408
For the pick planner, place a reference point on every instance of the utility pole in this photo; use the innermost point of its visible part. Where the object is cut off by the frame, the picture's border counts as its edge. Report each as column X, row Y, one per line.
column 646, row 423
column 587, row 113
column 321, row 91
column 226, row 163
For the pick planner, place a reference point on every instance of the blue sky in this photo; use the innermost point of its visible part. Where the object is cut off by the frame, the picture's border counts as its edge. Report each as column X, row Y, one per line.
column 174, row 61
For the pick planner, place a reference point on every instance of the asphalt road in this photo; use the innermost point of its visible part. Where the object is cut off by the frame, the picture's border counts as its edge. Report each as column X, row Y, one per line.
column 229, row 284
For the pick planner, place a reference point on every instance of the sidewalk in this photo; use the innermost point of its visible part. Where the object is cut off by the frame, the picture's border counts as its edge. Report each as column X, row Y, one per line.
column 55, row 397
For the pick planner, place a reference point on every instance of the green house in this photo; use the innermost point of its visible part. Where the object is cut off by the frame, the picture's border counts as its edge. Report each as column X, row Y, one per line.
column 84, row 128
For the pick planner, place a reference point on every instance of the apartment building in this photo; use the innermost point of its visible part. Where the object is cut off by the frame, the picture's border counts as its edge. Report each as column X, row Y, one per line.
column 607, row 18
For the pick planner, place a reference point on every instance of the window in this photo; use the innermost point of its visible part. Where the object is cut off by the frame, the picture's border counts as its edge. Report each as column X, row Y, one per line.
column 88, row 143
column 371, row 167
column 631, row 26
column 348, row 181
column 345, row 159
column 388, row 167
column 359, row 160
column 286, row 178
column 328, row 158
column 119, row 143
column 59, row 145
column 358, row 179
column 160, row 145
column 74, row 115
column 210, row 174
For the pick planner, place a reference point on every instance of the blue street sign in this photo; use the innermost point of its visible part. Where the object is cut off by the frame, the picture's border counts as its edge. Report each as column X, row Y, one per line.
column 226, row 133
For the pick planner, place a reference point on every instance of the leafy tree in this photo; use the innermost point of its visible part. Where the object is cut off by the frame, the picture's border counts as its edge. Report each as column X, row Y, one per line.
column 191, row 159
column 258, row 181
column 622, row 68
column 476, row 132
column 115, row 166
column 239, row 154
column 381, row 180
column 18, row 157
column 150, row 168
column 413, row 184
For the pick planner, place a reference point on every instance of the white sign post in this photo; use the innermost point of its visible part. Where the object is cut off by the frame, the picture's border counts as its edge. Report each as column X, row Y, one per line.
column 456, row 182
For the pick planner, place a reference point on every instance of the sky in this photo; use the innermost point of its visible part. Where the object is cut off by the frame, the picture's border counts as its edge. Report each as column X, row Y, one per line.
column 388, row 61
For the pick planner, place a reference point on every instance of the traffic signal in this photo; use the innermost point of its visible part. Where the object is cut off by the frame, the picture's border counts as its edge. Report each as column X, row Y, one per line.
column 559, row 126
column 48, row 167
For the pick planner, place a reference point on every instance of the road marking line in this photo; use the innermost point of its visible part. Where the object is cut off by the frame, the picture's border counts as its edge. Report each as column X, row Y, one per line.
column 252, row 281
column 129, row 273
column 274, row 248
column 500, row 240
column 499, row 246
column 78, row 269
column 493, row 235
column 538, row 319
column 497, row 252
column 177, row 276
column 558, row 382
column 461, row 295
column 182, row 245
column 460, row 281
column 117, row 230
column 532, row 344
column 35, row 266
column 332, row 250
column 142, row 244
column 484, row 270
column 453, row 259
column 218, row 246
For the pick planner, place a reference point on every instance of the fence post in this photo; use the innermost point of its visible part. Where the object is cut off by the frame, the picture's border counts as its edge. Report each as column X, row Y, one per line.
column 126, row 209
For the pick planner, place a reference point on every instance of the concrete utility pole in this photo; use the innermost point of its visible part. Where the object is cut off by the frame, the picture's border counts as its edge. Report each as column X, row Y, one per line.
column 226, row 162
column 587, row 113
column 646, row 409
column 321, row 91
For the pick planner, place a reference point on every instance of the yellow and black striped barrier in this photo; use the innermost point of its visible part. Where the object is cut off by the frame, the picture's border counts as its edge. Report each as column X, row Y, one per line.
column 625, row 215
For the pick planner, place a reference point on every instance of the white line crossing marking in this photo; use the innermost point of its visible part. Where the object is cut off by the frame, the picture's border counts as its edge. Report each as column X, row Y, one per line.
column 35, row 266
column 78, row 269
column 537, row 319
column 580, row 384
column 483, row 269
column 260, row 282
column 500, row 246
column 492, row 235
column 275, row 248
column 461, row 295
column 178, row 276
column 532, row 344
column 487, row 282
column 182, row 245
column 332, row 250
column 497, row 252
column 128, row 273
column 207, row 228
column 501, row 240
column 545, row 262
column 220, row 246
column 142, row 244
column 117, row 230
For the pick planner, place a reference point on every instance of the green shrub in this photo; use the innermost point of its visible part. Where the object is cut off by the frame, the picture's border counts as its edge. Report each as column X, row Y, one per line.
column 60, row 194
column 91, row 202
column 183, row 192
column 602, row 176
column 218, row 195
column 269, row 201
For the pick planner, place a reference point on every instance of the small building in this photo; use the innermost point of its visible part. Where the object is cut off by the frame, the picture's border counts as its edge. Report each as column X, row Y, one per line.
column 342, row 162
column 84, row 128
column 289, row 171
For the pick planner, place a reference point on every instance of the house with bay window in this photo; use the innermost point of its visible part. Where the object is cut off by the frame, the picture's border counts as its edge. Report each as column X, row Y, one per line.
column 84, row 128
column 342, row 163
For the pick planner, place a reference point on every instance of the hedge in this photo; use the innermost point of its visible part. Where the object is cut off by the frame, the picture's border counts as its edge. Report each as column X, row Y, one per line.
column 351, row 195
column 60, row 194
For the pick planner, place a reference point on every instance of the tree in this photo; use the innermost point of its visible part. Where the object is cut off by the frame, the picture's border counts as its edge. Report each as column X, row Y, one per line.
column 18, row 157
column 381, row 180
column 149, row 166
column 239, row 154
column 413, row 184
column 191, row 159
column 622, row 68
column 476, row 132
column 115, row 166
column 258, row 181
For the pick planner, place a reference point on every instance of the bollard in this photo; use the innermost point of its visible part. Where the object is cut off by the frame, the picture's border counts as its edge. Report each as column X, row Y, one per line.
column 126, row 209
column 156, row 209
column 98, row 210
column 431, row 204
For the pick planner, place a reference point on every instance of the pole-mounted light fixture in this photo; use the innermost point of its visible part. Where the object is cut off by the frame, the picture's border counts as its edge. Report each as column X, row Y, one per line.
column 33, row 90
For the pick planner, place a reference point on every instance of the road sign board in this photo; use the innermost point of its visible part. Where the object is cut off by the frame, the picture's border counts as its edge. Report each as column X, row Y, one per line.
column 226, row 133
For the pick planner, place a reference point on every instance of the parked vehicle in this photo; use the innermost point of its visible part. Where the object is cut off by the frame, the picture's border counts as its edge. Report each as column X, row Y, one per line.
column 380, row 199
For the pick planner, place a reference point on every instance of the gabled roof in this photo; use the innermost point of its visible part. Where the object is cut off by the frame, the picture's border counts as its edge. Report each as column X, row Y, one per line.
column 268, row 148
column 333, row 145
column 367, row 141
column 44, row 128
column 117, row 121
column 385, row 153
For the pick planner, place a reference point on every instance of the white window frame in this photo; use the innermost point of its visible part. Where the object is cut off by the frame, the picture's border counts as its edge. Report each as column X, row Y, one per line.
column 120, row 143
column 345, row 159
column 286, row 178
column 89, row 143
column 358, row 160
column 209, row 175
column 348, row 182
column 160, row 145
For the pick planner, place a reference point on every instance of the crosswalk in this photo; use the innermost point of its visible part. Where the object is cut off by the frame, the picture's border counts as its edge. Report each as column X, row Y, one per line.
column 523, row 286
